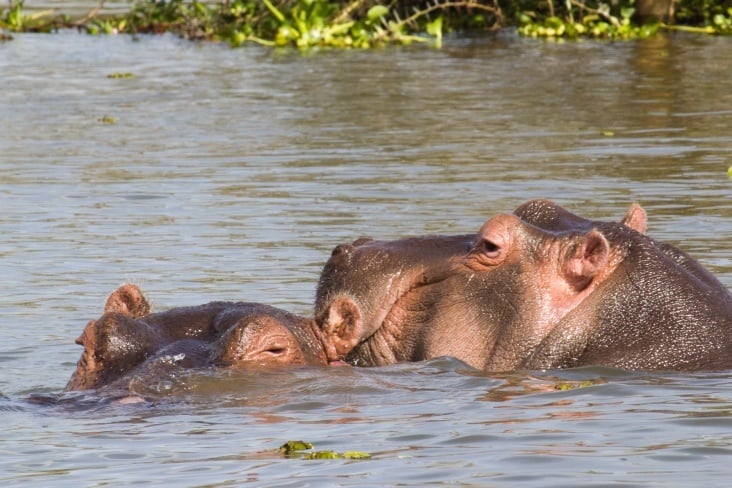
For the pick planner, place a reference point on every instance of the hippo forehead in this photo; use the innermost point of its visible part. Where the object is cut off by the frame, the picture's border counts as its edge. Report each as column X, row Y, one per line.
column 243, row 313
column 367, row 268
column 256, row 318
column 398, row 253
column 549, row 216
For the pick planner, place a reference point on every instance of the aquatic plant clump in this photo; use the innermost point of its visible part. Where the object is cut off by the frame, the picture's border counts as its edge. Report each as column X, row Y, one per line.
column 299, row 449
column 625, row 19
column 368, row 23
column 301, row 23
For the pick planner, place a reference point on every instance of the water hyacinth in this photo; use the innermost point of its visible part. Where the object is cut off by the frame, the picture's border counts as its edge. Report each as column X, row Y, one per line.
column 368, row 23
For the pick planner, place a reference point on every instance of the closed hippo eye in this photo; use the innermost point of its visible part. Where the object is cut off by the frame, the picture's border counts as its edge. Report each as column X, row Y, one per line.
column 276, row 350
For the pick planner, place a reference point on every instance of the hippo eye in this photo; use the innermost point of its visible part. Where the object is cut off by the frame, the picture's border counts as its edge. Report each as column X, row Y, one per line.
column 276, row 351
column 491, row 247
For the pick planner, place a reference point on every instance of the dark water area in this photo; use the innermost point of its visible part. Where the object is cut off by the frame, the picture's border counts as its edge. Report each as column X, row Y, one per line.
column 232, row 174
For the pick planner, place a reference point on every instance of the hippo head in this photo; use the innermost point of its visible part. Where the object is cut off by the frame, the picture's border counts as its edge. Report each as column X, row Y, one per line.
column 467, row 296
column 128, row 339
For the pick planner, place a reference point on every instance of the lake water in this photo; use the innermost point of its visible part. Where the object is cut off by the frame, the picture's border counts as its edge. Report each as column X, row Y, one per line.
column 231, row 174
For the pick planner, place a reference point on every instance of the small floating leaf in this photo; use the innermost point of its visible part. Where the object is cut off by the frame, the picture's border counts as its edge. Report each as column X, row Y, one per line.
column 294, row 449
column 573, row 385
column 120, row 75
column 323, row 455
column 108, row 120
column 291, row 447
column 356, row 455
column 608, row 133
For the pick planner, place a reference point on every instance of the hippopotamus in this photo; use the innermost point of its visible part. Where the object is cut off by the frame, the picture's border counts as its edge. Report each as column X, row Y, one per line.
column 540, row 288
column 128, row 339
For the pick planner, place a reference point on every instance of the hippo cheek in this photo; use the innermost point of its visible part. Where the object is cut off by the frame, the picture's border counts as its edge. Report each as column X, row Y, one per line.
column 402, row 332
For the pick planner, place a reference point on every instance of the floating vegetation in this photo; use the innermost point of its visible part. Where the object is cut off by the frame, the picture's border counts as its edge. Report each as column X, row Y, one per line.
column 15, row 19
column 294, row 447
column 297, row 449
column 117, row 76
column 107, row 120
column 573, row 385
column 594, row 25
column 625, row 19
column 368, row 23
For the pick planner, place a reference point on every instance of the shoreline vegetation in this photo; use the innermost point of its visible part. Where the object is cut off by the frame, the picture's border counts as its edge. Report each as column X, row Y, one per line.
column 370, row 23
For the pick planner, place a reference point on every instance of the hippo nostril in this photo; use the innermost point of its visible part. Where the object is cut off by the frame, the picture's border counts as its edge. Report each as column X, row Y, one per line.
column 342, row 249
column 361, row 241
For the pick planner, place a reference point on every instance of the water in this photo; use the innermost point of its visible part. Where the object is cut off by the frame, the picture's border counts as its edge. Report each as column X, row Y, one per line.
column 231, row 174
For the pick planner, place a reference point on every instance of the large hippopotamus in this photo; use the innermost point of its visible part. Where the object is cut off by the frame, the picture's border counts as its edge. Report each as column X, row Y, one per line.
column 537, row 289
column 129, row 341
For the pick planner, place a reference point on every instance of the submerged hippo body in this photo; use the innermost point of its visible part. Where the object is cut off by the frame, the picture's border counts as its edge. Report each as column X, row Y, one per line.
column 541, row 288
column 127, row 339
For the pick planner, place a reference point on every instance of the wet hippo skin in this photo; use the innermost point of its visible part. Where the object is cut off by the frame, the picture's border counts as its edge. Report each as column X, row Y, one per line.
column 537, row 289
column 128, row 338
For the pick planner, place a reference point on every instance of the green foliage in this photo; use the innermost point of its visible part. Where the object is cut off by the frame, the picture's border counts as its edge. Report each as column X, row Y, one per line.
column 325, row 23
column 722, row 23
column 15, row 19
column 300, row 23
column 596, row 20
column 367, row 23
column 701, row 13
column 290, row 448
column 298, row 448
column 615, row 19
column 120, row 75
column 310, row 23
column 573, row 385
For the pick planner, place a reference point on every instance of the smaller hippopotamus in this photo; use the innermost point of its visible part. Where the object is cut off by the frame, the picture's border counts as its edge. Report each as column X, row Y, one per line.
column 128, row 338
column 537, row 289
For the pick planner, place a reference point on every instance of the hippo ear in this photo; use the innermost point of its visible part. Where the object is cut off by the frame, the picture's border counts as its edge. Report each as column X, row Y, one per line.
column 343, row 326
column 586, row 260
column 129, row 300
column 635, row 218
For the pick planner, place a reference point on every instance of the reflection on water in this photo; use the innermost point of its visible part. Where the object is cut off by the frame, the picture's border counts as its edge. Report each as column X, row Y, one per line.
column 231, row 174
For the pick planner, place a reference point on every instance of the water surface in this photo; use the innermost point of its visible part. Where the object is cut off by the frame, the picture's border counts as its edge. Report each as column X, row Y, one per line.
column 231, row 174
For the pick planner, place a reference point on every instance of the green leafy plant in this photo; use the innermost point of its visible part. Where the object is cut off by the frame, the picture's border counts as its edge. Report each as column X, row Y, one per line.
column 15, row 19
column 722, row 22
column 310, row 24
column 298, row 449
column 582, row 20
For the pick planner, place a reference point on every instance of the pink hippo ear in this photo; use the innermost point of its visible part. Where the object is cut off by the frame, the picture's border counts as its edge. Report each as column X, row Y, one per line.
column 343, row 326
column 587, row 260
column 635, row 218
column 129, row 300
